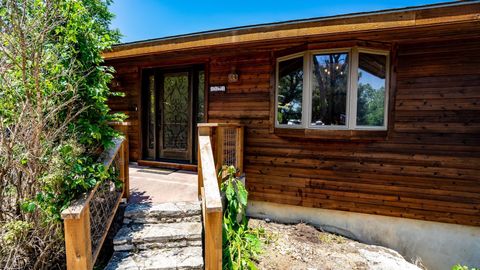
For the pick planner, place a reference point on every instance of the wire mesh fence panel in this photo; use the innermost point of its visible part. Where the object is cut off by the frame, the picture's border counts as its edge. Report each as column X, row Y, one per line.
column 103, row 204
column 229, row 146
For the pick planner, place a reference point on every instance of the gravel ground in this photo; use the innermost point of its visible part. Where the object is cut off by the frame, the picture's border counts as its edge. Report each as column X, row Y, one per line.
column 301, row 246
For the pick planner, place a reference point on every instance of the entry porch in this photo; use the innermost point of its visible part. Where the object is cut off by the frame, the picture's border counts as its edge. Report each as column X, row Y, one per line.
column 159, row 185
column 173, row 217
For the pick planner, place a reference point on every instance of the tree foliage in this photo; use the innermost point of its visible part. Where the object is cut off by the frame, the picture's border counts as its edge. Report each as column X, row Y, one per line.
column 53, row 120
column 463, row 267
column 290, row 89
column 370, row 105
column 330, row 82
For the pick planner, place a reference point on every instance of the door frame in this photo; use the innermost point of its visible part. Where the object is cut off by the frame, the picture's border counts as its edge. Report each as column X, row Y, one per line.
column 193, row 71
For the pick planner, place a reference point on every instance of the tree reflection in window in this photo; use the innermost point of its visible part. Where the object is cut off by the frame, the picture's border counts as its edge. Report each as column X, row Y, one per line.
column 290, row 91
column 329, row 89
column 371, row 89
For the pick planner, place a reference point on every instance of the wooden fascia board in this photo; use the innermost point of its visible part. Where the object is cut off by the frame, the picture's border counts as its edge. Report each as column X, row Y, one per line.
column 398, row 20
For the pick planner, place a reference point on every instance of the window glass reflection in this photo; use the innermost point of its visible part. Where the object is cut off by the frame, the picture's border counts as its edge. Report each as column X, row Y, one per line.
column 290, row 91
column 329, row 89
column 371, row 89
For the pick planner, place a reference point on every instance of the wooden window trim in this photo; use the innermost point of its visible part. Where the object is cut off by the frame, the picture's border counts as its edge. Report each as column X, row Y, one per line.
column 353, row 135
column 333, row 45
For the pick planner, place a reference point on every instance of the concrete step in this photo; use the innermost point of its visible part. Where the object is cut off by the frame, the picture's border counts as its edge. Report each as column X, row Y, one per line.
column 159, row 259
column 163, row 212
column 161, row 235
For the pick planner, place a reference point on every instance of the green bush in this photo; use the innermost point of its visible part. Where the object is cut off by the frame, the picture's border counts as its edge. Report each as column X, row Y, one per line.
column 53, row 120
column 463, row 267
column 241, row 245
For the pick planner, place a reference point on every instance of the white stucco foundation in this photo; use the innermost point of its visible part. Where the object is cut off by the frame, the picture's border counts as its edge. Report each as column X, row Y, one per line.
column 437, row 245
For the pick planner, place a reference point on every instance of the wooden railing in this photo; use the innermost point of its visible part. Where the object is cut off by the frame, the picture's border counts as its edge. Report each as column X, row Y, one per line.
column 88, row 218
column 227, row 149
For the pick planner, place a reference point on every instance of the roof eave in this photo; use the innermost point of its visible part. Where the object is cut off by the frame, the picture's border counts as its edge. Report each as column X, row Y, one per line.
column 385, row 20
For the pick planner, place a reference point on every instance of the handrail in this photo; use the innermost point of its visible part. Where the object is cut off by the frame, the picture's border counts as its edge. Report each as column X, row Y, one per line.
column 220, row 125
column 217, row 143
column 211, row 201
column 81, row 253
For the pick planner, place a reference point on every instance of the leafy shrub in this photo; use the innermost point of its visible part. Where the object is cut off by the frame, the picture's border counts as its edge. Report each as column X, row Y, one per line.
column 53, row 120
column 241, row 245
column 463, row 267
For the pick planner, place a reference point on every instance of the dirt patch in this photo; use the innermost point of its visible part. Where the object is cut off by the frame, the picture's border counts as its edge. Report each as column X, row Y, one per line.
column 301, row 246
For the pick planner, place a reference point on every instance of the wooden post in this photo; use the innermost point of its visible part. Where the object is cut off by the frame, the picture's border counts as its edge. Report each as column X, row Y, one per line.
column 239, row 149
column 124, row 170
column 199, row 175
column 219, row 148
column 213, row 240
column 127, row 169
column 202, row 131
column 121, row 175
column 211, row 202
column 78, row 245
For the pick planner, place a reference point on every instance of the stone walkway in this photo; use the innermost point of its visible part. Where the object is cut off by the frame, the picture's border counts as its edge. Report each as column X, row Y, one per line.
column 159, row 236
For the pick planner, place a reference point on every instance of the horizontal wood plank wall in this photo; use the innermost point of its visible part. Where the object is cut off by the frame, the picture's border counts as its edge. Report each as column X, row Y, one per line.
column 428, row 168
column 127, row 77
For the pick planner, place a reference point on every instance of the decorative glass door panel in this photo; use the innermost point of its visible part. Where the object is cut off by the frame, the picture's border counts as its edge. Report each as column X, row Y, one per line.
column 175, row 114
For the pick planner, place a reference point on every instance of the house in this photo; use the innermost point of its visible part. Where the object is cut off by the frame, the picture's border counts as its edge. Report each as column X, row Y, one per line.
column 368, row 123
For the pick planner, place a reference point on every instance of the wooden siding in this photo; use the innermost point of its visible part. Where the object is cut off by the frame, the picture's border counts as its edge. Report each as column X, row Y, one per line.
column 427, row 165
column 427, row 168
column 128, row 78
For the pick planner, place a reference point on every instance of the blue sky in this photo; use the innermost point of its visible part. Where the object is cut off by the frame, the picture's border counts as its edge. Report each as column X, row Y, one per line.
column 146, row 19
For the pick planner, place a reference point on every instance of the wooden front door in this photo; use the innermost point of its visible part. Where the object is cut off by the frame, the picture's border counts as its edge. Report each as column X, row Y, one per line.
column 170, row 100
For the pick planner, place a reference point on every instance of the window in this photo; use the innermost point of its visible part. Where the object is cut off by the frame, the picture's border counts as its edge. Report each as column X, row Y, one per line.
column 329, row 89
column 371, row 89
column 290, row 91
column 333, row 89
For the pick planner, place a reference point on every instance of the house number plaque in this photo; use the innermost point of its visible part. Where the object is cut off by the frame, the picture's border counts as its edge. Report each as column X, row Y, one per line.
column 218, row 88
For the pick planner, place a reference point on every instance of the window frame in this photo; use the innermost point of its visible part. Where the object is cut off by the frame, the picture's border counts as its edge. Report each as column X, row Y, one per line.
column 310, row 55
column 352, row 89
column 302, row 120
column 385, row 53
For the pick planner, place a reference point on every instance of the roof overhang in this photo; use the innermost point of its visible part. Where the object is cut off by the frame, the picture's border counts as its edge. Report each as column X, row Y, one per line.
column 423, row 16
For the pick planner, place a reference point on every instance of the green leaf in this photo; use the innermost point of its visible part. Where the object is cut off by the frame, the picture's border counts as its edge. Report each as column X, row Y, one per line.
column 242, row 194
column 24, row 161
column 29, row 206
column 230, row 192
